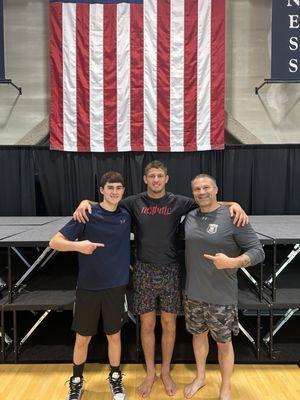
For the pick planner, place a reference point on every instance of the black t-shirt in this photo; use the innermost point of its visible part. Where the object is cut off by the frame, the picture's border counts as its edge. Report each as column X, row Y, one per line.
column 155, row 223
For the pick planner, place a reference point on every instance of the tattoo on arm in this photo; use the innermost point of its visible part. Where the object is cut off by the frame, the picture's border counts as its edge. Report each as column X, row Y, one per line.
column 244, row 261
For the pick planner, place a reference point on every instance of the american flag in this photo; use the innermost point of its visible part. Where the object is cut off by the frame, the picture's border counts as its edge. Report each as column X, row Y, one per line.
column 137, row 75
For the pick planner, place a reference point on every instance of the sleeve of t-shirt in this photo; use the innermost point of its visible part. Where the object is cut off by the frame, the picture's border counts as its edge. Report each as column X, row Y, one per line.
column 187, row 203
column 247, row 239
column 127, row 203
column 72, row 230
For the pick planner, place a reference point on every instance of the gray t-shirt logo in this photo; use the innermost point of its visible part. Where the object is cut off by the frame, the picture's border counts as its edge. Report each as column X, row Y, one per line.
column 212, row 229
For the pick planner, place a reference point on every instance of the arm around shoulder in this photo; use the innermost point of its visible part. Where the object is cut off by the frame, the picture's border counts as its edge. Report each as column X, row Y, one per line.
column 236, row 211
column 81, row 213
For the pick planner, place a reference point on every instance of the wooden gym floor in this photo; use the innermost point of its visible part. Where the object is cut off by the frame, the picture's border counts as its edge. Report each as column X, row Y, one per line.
column 250, row 382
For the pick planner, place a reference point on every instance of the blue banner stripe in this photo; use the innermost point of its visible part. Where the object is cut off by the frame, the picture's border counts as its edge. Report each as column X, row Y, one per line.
column 98, row 1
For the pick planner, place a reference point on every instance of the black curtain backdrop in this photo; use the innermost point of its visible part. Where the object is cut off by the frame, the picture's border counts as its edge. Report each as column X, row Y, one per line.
column 64, row 178
column 264, row 179
column 17, row 181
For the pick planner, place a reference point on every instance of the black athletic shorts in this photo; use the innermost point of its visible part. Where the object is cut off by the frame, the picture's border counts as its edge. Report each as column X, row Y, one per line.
column 89, row 304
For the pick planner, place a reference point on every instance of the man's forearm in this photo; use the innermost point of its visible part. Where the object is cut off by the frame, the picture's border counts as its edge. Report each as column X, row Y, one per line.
column 60, row 243
column 242, row 261
column 222, row 261
column 227, row 203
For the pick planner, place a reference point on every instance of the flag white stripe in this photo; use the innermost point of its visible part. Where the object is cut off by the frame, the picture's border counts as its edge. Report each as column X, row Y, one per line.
column 150, row 75
column 204, row 75
column 96, row 78
column 123, row 77
column 177, row 76
column 150, row 101
column 69, row 76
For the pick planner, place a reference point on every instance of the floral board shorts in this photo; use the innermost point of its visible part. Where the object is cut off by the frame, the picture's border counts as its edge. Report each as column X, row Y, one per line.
column 156, row 287
column 220, row 320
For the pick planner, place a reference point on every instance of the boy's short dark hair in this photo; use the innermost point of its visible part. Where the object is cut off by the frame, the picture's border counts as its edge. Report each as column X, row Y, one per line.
column 156, row 164
column 111, row 177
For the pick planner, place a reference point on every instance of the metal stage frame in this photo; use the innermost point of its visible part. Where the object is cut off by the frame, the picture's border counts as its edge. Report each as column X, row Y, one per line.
column 261, row 298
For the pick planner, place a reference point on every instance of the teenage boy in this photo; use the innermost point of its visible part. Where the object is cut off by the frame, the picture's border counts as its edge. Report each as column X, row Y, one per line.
column 103, row 245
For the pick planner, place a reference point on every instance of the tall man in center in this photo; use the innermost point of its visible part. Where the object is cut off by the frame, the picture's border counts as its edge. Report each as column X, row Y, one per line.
column 156, row 215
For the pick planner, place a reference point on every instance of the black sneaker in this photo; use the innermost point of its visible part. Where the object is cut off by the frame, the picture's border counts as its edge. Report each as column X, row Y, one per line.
column 75, row 388
column 116, row 386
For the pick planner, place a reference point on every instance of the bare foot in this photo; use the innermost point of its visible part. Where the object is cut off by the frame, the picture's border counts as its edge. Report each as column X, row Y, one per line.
column 169, row 384
column 145, row 387
column 193, row 387
column 225, row 394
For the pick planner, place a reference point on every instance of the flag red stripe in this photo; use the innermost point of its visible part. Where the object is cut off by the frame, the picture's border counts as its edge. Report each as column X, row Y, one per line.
column 163, row 75
column 190, row 74
column 110, row 77
column 136, row 77
column 137, row 100
column 82, row 76
column 56, row 76
column 217, row 73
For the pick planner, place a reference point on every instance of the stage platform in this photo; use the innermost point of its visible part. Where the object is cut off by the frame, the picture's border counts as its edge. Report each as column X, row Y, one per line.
column 284, row 229
column 42, row 300
column 43, row 287
column 34, row 233
column 27, row 221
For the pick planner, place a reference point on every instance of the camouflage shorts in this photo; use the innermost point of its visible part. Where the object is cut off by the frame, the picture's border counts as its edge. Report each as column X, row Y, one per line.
column 220, row 320
column 156, row 286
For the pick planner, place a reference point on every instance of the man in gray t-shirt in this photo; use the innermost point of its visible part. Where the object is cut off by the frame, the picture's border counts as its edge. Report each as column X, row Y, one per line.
column 215, row 249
